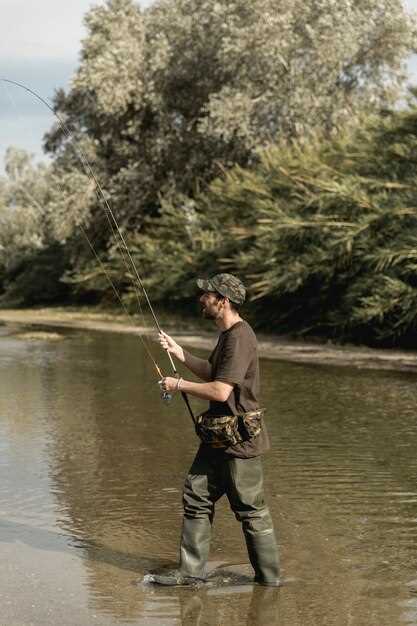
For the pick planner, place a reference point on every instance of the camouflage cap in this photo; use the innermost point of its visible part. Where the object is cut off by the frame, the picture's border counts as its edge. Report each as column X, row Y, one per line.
column 227, row 285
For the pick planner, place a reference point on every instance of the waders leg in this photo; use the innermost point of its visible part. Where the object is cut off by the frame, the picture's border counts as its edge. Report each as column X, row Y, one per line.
column 245, row 494
column 202, row 489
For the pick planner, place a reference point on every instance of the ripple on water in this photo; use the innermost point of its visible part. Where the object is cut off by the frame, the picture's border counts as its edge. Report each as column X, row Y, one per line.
column 86, row 452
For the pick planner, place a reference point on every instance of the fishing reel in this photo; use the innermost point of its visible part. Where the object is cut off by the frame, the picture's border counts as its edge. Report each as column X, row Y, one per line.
column 165, row 395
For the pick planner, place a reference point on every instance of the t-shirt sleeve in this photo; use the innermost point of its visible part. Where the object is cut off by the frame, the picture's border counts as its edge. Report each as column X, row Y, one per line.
column 236, row 355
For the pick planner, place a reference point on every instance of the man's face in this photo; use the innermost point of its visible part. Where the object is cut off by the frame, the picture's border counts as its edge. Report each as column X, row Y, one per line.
column 211, row 305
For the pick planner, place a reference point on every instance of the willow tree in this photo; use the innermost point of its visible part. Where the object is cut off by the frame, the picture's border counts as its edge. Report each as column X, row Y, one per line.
column 164, row 99
column 168, row 95
column 41, row 208
column 324, row 232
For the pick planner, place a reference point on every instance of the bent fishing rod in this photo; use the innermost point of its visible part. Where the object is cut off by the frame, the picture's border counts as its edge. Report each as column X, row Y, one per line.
column 113, row 222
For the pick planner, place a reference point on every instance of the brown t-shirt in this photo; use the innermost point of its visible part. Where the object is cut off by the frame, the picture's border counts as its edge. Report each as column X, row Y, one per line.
column 234, row 360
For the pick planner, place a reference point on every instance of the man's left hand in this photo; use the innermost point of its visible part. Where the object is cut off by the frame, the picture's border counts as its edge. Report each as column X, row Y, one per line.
column 169, row 384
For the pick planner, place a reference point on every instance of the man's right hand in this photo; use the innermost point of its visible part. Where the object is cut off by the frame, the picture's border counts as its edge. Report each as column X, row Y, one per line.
column 171, row 346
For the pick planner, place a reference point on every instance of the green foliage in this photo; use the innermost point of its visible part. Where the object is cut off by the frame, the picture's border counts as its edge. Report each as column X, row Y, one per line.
column 214, row 129
column 36, row 279
column 324, row 232
column 41, row 209
column 167, row 94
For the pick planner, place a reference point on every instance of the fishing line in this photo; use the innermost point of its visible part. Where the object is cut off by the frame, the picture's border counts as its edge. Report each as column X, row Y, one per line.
column 118, row 296
column 145, row 340
column 101, row 196
column 107, row 209
column 30, row 197
column 80, row 154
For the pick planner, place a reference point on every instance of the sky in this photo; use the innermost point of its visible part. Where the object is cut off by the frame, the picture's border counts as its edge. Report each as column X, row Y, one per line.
column 40, row 42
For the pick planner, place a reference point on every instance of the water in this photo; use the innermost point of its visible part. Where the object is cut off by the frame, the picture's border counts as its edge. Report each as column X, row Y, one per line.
column 91, row 470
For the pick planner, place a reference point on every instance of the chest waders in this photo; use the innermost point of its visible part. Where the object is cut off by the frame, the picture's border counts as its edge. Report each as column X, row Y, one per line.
column 212, row 475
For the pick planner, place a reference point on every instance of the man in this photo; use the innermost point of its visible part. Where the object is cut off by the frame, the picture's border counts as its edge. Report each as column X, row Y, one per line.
column 233, row 438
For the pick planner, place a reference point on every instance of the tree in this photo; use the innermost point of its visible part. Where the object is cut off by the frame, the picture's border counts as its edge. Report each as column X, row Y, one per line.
column 167, row 94
column 324, row 232
column 166, row 99
column 41, row 209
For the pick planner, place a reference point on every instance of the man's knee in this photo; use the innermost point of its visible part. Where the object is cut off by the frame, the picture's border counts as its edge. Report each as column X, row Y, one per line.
column 196, row 498
column 255, row 520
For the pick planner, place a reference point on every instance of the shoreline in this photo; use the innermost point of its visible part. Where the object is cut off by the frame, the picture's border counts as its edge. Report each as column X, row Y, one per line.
column 270, row 346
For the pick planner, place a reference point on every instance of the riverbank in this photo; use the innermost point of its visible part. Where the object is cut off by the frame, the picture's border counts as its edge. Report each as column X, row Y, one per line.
column 270, row 346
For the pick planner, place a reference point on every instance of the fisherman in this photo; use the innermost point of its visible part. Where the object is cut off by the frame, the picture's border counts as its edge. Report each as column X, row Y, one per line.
column 233, row 438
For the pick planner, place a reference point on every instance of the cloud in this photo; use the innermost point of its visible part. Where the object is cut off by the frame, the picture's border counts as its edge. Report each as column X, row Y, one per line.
column 33, row 29
column 40, row 42
column 39, row 47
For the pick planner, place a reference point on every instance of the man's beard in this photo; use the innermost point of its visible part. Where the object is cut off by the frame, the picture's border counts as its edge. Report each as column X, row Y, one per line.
column 207, row 314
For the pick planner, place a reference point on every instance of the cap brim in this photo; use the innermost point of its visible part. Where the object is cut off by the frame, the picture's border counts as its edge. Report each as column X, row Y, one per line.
column 205, row 285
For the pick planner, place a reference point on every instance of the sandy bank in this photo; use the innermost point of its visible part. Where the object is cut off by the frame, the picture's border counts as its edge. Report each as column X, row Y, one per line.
column 271, row 347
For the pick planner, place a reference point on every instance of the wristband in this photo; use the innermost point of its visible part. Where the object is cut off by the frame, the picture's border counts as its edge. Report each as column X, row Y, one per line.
column 177, row 388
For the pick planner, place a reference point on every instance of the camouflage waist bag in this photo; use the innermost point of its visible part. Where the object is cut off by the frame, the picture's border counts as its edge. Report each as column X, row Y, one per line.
column 226, row 430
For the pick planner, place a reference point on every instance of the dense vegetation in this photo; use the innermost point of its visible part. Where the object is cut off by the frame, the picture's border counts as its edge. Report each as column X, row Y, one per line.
column 325, row 232
column 258, row 138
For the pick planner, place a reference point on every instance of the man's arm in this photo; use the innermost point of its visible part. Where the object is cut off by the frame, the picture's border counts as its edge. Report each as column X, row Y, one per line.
column 199, row 367
column 216, row 390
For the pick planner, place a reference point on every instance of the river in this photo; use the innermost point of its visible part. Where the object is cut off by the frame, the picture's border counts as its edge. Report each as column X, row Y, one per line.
column 91, row 470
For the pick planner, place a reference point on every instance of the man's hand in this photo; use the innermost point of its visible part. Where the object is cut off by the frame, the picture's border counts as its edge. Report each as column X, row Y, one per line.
column 171, row 346
column 199, row 367
column 169, row 384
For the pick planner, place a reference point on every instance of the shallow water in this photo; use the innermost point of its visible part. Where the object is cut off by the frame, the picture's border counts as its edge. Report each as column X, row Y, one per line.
column 92, row 465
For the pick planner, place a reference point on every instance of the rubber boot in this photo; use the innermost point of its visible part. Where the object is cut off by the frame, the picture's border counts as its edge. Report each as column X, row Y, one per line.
column 194, row 551
column 195, row 546
column 263, row 555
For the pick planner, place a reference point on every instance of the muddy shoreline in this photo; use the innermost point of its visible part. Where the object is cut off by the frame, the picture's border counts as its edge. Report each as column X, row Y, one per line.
column 270, row 346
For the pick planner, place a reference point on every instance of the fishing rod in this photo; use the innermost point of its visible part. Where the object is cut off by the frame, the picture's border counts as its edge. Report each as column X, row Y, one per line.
column 109, row 212
column 103, row 268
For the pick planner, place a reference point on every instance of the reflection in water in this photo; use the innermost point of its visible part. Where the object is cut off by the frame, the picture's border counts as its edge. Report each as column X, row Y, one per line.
column 247, row 605
column 92, row 466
